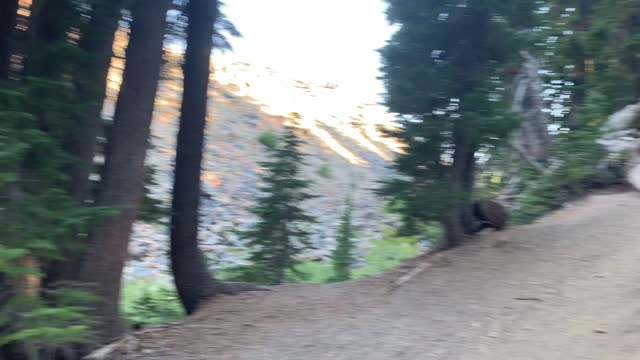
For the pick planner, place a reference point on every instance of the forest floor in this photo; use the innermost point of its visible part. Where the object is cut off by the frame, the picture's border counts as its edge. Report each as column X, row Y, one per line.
column 566, row 287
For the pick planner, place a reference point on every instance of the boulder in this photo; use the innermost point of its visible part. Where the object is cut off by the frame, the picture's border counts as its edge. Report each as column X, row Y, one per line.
column 627, row 118
column 621, row 136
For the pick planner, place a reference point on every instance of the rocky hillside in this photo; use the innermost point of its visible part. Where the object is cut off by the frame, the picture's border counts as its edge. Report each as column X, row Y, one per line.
column 342, row 162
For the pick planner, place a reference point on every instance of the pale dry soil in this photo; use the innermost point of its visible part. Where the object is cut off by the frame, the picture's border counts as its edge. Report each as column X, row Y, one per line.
column 567, row 287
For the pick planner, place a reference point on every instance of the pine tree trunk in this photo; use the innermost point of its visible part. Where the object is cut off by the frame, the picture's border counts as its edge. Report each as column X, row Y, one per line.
column 192, row 277
column 459, row 221
column 453, row 229
column 467, row 173
column 44, row 32
column 585, row 12
column 122, row 182
column 91, row 84
column 8, row 14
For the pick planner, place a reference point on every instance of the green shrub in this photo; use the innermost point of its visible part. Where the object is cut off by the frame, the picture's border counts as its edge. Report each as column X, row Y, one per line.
column 36, row 323
column 244, row 273
column 150, row 303
column 579, row 171
column 314, row 272
column 342, row 256
column 38, row 218
column 324, row 171
column 33, row 322
column 269, row 139
column 387, row 253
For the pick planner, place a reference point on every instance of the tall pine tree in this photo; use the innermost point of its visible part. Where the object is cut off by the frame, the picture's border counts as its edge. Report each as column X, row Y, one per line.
column 343, row 254
column 279, row 234
column 443, row 71
column 122, row 183
column 192, row 276
column 8, row 14
column 40, row 221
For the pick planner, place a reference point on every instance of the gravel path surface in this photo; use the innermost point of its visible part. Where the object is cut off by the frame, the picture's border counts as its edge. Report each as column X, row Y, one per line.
column 567, row 287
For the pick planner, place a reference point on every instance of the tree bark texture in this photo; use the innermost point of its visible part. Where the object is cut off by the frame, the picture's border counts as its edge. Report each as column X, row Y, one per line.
column 460, row 219
column 122, row 180
column 192, row 277
column 453, row 229
column 8, row 15
column 471, row 58
column 47, row 29
column 91, row 82
column 466, row 172
column 585, row 13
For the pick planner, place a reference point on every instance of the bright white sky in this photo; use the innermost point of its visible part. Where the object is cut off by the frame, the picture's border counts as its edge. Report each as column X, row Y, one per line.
column 320, row 41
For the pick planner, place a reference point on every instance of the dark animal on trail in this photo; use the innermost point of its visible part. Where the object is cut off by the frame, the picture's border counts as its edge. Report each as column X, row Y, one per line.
column 489, row 214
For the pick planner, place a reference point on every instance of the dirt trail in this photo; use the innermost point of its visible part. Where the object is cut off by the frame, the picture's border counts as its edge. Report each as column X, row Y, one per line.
column 565, row 288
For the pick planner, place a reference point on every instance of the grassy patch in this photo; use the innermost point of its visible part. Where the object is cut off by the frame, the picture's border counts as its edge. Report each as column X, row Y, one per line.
column 150, row 302
column 388, row 253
